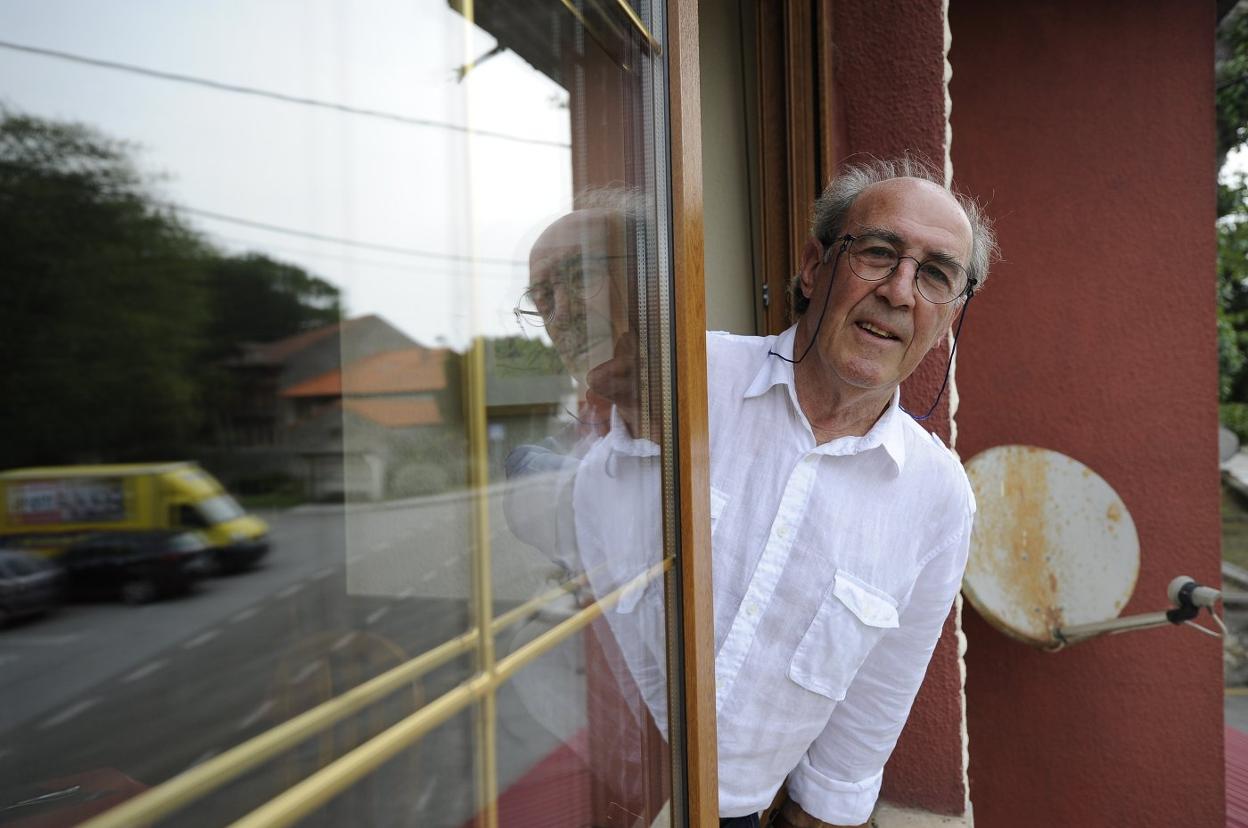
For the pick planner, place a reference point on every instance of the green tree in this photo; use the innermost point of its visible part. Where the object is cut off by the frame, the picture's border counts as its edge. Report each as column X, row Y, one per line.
column 115, row 316
column 1232, row 228
column 102, row 301
column 257, row 299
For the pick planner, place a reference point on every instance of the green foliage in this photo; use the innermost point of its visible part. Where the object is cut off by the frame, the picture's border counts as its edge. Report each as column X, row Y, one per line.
column 1232, row 230
column 1232, row 82
column 1235, row 417
column 102, row 300
column 518, row 356
column 1232, row 308
column 112, row 309
column 257, row 299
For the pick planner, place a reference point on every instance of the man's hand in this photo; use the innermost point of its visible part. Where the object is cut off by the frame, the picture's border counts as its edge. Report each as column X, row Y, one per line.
column 617, row 380
column 791, row 815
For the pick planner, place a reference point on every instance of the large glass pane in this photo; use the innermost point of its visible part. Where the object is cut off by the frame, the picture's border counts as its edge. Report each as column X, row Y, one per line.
column 336, row 366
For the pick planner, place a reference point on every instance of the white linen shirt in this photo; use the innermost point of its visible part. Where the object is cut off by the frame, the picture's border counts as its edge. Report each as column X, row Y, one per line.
column 834, row 568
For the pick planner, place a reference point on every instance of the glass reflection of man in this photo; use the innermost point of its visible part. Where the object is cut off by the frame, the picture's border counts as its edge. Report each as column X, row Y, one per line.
column 578, row 285
column 580, row 271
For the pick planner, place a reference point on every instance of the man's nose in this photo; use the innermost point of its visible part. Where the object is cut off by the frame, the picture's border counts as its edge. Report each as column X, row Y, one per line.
column 898, row 287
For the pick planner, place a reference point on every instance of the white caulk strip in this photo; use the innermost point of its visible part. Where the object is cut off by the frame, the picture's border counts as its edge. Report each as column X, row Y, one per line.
column 144, row 671
column 68, row 713
column 256, row 715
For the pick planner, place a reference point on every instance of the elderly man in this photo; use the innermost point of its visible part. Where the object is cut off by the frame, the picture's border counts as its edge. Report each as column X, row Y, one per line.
column 840, row 527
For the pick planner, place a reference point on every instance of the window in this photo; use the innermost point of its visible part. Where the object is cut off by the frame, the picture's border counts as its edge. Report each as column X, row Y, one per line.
column 435, row 242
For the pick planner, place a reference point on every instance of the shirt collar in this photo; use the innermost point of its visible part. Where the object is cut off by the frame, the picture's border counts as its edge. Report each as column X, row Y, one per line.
column 888, row 431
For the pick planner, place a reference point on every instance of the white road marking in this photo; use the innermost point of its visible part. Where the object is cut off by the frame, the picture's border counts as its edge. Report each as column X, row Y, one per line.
column 427, row 577
column 322, row 574
column 426, row 794
column 354, row 559
column 245, row 615
column 255, row 715
column 286, row 592
column 42, row 640
column 342, row 643
column 201, row 639
column 144, row 671
column 408, row 593
column 376, row 615
column 308, row 671
column 68, row 713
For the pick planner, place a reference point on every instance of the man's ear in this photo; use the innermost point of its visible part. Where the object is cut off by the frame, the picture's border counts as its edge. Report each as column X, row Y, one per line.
column 812, row 257
column 947, row 328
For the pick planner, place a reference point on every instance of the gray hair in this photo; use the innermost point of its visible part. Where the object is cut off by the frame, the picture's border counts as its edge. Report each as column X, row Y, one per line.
column 833, row 205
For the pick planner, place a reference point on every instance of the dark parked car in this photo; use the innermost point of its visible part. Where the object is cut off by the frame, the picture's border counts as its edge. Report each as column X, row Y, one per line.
column 29, row 585
column 137, row 566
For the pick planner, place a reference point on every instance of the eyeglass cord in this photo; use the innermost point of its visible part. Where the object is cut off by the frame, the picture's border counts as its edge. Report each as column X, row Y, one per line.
column 952, row 350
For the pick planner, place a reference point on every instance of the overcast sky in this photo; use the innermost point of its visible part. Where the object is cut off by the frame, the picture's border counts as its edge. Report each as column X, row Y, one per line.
column 313, row 169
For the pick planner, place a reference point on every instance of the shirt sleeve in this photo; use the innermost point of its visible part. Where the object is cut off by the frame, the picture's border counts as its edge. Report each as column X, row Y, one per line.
column 838, row 779
column 617, row 507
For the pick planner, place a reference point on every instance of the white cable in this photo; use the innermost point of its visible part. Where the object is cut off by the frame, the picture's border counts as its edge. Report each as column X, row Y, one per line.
column 1204, row 630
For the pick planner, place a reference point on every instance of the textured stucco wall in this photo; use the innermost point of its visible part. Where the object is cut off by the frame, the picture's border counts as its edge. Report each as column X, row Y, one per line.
column 889, row 69
column 1088, row 129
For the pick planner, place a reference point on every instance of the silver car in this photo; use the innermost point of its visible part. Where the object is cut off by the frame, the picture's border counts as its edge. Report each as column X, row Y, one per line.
column 29, row 585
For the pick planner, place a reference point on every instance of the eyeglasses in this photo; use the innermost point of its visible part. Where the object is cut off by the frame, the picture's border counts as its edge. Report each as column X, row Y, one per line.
column 875, row 258
column 570, row 281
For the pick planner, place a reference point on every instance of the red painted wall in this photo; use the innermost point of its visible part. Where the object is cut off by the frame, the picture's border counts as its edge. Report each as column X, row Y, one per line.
column 1088, row 129
column 890, row 94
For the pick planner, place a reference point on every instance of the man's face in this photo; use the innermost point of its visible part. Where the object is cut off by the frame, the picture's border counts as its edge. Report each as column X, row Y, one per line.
column 876, row 333
column 577, row 283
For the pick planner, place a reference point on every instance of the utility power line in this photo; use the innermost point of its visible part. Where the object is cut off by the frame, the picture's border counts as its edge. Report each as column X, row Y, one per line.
column 308, row 234
column 277, row 96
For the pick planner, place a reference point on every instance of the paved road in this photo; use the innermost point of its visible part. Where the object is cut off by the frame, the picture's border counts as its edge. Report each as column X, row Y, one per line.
column 151, row 691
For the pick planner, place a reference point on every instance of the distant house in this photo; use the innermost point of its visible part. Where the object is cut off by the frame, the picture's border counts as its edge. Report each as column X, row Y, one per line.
column 359, row 409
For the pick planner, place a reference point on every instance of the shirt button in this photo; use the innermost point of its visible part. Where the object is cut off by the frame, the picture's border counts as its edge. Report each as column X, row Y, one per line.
column 783, row 531
column 751, row 609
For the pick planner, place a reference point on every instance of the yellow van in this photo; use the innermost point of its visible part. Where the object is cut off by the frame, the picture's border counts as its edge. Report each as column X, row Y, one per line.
column 45, row 509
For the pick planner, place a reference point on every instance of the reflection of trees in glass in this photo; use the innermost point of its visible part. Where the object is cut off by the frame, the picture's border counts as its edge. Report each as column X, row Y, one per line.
column 518, row 356
column 112, row 309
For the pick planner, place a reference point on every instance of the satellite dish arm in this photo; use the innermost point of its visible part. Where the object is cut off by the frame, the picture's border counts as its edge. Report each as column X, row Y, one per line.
column 1187, row 596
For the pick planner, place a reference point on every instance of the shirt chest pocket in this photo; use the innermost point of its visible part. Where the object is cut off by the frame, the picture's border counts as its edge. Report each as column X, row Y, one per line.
column 851, row 620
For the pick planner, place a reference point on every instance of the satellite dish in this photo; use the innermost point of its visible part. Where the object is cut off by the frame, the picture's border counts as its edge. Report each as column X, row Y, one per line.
column 1053, row 546
column 1228, row 443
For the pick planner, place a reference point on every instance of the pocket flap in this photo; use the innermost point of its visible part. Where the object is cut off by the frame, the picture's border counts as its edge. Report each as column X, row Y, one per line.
column 872, row 607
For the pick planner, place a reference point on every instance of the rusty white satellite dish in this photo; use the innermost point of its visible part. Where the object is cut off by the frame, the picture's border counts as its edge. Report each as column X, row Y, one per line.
column 1053, row 546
